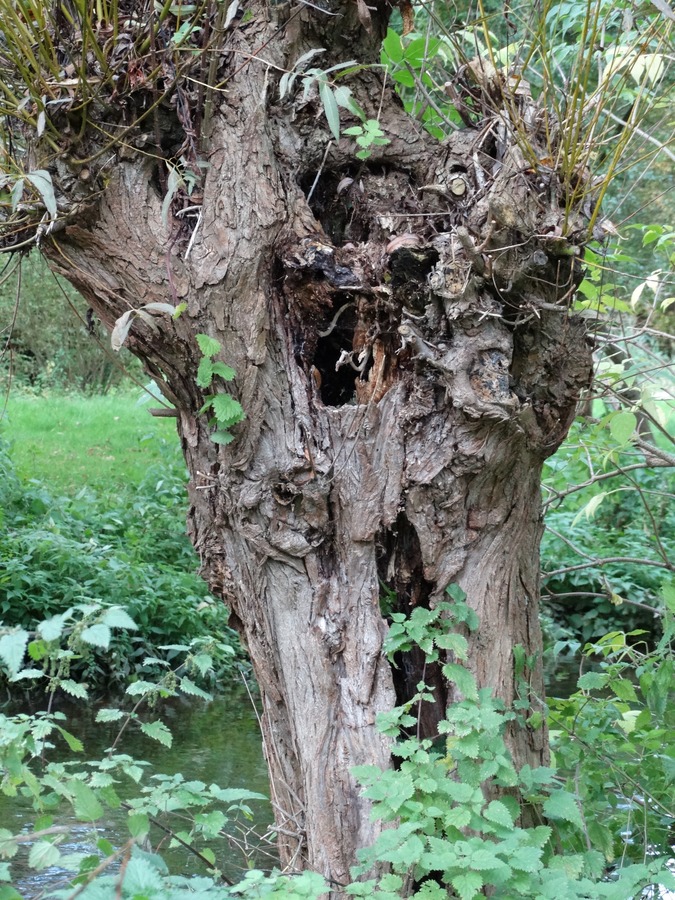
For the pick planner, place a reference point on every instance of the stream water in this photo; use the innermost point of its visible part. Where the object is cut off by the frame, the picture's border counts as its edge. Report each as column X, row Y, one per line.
column 216, row 742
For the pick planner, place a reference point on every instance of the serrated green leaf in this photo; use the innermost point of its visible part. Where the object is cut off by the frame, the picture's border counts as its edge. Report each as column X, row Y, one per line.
column 498, row 813
column 208, row 854
column 13, row 649
column 116, row 617
column 139, row 824
column 98, row 635
column 74, row 743
column 158, row 731
column 189, row 687
column 225, row 372
column 109, row 715
column 74, row 688
column 457, row 643
column 464, row 680
column 208, row 345
column 85, row 802
column 227, row 410
column 467, row 885
column 42, row 855
column 563, row 805
column 52, row 629
column 526, row 859
column 205, row 372
column 591, row 681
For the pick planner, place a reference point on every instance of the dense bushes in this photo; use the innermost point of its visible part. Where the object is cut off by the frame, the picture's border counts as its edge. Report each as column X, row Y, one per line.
column 57, row 552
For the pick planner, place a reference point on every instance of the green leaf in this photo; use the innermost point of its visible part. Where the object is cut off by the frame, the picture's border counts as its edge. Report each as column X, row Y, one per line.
column 208, row 854
column 189, row 687
column 42, row 182
column 455, row 642
column 158, row 731
column 98, row 635
column 498, row 813
column 13, row 649
column 464, row 680
column 227, row 410
column 591, row 681
column 74, row 688
column 209, row 346
column 85, row 802
column 392, row 46
column 74, row 743
column 116, row 617
column 109, row 715
column 526, row 859
column 52, row 629
column 330, row 108
column 467, row 885
column 222, row 437
column 205, row 372
column 42, row 855
column 622, row 426
column 563, row 805
column 226, row 372
column 139, row 824
column 7, row 892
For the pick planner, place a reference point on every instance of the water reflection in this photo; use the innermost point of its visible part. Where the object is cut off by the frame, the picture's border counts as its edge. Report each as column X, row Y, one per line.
column 217, row 742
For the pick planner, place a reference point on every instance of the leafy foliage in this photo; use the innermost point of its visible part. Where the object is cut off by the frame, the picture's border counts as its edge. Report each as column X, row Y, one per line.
column 78, row 558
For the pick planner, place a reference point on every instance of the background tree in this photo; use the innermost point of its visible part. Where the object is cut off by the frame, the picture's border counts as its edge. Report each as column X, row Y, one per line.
column 398, row 322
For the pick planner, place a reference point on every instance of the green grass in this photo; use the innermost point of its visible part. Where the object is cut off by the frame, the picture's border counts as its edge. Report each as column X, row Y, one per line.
column 69, row 441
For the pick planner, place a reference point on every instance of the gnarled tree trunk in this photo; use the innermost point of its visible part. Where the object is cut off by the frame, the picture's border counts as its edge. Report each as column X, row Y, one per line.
column 406, row 359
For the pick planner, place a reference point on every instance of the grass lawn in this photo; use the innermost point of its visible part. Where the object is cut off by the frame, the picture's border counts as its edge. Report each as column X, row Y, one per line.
column 68, row 441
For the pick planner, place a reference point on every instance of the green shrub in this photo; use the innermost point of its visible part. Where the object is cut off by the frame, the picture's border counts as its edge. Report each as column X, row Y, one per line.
column 58, row 553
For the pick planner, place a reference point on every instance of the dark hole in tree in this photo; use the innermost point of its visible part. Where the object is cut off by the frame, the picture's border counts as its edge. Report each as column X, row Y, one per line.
column 335, row 204
column 405, row 588
column 338, row 386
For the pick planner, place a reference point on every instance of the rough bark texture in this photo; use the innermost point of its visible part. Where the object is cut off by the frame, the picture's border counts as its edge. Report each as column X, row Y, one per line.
column 452, row 268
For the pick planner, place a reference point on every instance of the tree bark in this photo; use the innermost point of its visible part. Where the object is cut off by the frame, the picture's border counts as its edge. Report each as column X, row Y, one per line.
column 444, row 273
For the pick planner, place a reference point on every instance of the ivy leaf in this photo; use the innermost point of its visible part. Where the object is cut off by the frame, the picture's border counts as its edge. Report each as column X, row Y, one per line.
column 563, row 805
column 209, row 346
column 158, row 732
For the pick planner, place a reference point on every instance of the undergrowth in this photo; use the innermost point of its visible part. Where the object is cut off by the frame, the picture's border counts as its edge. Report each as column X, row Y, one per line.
column 130, row 551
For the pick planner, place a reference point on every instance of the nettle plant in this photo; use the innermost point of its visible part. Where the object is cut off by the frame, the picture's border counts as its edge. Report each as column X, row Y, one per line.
column 79, row 790
column 598, row 822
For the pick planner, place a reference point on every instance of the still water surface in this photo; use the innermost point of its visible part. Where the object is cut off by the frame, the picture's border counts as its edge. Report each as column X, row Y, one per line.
column 217, row 742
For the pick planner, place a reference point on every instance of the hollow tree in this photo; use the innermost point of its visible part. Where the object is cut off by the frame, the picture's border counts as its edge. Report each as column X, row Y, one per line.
column 399, row 326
